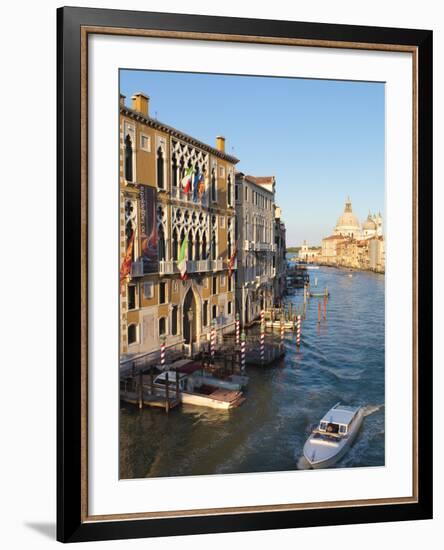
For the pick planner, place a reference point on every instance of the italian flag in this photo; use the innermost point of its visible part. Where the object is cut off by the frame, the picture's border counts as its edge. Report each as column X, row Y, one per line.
column 186, row 180
column 182, row 261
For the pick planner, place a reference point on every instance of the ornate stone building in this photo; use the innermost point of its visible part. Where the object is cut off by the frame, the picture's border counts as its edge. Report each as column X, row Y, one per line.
column 177, row 234
column 353, row 245
column 255, row 212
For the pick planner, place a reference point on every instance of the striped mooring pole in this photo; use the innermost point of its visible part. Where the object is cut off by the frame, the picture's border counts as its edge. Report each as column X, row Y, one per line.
column 325, row 308
column 237, row 329
column 162, row 351
column 213, row 339
column 242, row 358
column 262, row 335
column 282, row 335
column 319, row 311
column 298, row 332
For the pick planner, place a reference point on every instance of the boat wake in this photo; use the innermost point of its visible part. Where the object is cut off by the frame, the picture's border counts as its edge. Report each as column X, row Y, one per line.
column 370, row 409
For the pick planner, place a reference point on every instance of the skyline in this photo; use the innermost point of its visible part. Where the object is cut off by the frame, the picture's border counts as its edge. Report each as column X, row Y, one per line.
column 323, row 140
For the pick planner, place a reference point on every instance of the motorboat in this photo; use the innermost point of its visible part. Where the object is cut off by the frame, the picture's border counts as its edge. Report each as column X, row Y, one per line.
column 193, row 390
column 333, row 436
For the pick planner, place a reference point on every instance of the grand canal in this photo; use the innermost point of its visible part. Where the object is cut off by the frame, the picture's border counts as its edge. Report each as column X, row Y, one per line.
column 340, row 359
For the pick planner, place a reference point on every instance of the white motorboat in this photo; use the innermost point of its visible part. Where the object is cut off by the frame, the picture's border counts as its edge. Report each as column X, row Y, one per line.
column 333, row 436
column 193, row 391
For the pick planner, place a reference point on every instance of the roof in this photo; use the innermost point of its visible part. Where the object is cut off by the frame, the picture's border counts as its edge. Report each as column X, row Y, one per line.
column 262, row 180
column 334, row 237
column 340, row 414
column 154, row 123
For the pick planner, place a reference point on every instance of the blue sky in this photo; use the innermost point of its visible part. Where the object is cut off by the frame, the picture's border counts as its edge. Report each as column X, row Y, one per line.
column 322, row 139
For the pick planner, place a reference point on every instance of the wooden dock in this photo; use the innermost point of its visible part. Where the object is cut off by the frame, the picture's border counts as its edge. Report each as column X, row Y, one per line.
column 148, row 400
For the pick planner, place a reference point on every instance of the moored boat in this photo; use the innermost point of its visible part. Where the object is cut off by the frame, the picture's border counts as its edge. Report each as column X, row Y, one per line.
column 333, row 436
column 193, row 391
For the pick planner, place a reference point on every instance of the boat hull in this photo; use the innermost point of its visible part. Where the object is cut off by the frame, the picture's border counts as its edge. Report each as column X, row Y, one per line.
column 326, row 455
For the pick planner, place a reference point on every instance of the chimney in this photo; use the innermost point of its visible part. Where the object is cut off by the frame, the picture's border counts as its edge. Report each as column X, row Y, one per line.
column 122, row 100
column 140, row 103
column 220, row 143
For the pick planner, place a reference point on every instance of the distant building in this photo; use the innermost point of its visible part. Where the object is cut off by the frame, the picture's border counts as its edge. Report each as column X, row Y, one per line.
column 255, row 214
column 280, row 259
column 307, row 254
column 353, row 245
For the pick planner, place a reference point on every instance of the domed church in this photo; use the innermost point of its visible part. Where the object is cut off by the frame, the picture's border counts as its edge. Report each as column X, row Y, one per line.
column 348, row 224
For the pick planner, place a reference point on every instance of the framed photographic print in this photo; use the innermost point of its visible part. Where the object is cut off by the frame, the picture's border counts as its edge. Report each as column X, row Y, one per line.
column 245, row 269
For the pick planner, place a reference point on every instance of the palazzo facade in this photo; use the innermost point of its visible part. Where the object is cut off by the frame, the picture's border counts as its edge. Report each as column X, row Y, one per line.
column 176, row 235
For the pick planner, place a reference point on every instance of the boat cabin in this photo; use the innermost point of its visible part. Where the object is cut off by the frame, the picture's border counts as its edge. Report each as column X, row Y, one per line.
column 172, row 375
column 338, row 420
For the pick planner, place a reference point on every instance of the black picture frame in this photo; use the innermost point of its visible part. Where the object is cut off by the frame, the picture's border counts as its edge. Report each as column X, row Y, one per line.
column 71, row 524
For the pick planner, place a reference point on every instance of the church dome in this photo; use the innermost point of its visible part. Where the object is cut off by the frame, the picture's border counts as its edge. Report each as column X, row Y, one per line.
column 369, row 224
column 347, row 220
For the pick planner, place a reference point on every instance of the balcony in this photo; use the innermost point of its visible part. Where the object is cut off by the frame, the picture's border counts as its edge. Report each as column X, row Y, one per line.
column 263, row 247
column 137, row 269
column 246, row 246
column 178, row 193
column 169, row 267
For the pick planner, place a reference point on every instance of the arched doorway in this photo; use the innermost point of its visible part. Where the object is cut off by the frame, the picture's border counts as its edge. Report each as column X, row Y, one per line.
column 189, row 320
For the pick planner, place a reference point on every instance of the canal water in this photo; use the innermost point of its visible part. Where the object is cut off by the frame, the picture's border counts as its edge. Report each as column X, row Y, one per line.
column 340, row 359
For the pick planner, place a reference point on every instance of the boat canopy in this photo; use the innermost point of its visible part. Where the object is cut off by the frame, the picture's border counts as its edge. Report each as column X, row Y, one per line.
column 339, row 414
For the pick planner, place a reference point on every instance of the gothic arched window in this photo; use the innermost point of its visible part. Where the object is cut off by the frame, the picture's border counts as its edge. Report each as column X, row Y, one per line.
column 190, row 245
column 213, row 186
column 213, row 246
column 160, row 172
column 204, row 247
column 128, row 159
column 197, row 247
column 175, row 245
column 174, row 171
column 161, row 243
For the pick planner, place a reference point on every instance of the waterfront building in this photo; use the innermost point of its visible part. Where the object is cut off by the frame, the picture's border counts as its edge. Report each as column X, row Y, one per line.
column 177, row 235
column 255, row 214
column 354, row 245
column 280, row 257
column 307, row 254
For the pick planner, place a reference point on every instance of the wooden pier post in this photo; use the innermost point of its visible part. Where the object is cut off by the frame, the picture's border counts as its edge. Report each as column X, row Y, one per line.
column 237, row 329
column 162, row 351
column 319, row 311
column 177, row 385
column 140, row 389
column 282, row 337
column 242, row 362
column 151, row 380
column 325, row 308
column 262, row 337
column 213, row 340
column 167, row 393
column 298, row 332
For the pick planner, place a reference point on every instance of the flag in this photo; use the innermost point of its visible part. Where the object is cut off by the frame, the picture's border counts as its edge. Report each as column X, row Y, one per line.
column 125, row 268
column 231, row 262
column 201, row 186
column 197, row 177
column 182, row 261
column 186, row 180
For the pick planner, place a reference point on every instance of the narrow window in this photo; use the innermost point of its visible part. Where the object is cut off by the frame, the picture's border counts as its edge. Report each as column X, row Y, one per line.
column 229, row 192
column 131, row 296
column 229, row 308
column 205, row 313
column 132, row 334
column 148, row 289
column 213, row 186
column 174, row 321
column 162, row 326
column 174, row 171
column 161, row 243
column 162, row 293
column 128, row 159
column 214, row 312
column 160, row 178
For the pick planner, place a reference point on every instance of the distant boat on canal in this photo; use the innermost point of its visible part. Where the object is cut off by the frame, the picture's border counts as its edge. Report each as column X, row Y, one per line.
column 333, row 436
